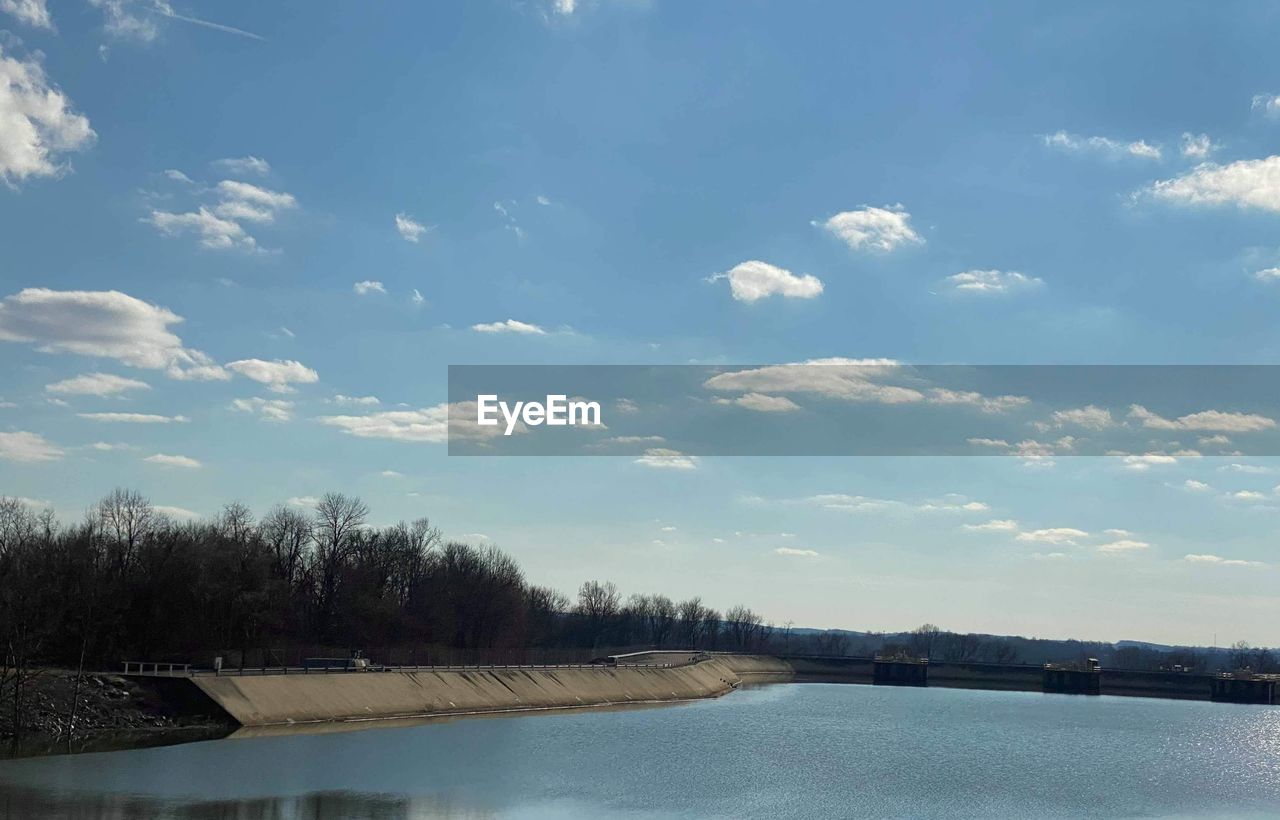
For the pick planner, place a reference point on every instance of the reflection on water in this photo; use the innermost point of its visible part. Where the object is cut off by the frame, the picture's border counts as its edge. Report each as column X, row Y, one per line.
column 800, row 751
column 30, row 803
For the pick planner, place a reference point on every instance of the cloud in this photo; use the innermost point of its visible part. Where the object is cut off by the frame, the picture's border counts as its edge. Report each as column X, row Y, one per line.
column 1054, row 535
column 178, row 176
column 509, row 326
column 1123, row 545
column 391, row 474
column 796, row 553
column 303, row 501
column 220, row 223
column 1250, row 183
column 180, row 513
column 355, row 401
column 137, row 19
column 417, row 298
column 1090, row 417
column 992, row 282
column 1197, row 146
column 96, row 384
column 267, row 409
column 1105, row 146
column 410, row 229
column 1267, row 274
column 105, row 324
column 1248, row 495
column 754, row 280
column 26, row 447
column 848, row 379
column 173, row 461
column 278, row 375
column 987, row 404
column 1147, row 461
column 1218, row 560
column 244, row 166
column 878, row 229
column 994, row 525
column 661, row 458
column 1215, row 421
column 762, row 403
column 564, row 7
column 1196, row 486
column 34, row 13
column 1268, row 104
column 429, row 424
column 134, row 418
column 37, row 125
column 368, row 286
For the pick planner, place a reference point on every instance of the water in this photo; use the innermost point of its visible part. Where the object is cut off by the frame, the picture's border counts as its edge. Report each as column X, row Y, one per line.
column 801, row 751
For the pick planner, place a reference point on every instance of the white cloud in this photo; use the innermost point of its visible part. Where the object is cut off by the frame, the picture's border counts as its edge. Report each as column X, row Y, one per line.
column 1147, row 461
column 992, row 282
column 1267, row 274
column 1123, row 545
column 391, row 474
column 368, row 286
column 417, row 298
column 1249, row 183
column 796, row 553
column 1248, row 495
column 429, row 424
column 1090, row 417
column 34, row 13
column 542, row 200
column 1216, row 421
column 995, row 525
column 1054, row 535
column 1196, row 486
column 178, row 176
column 303, row 501
column 220, row 224
column 1268, row 104
column 96, row 384
column 762, row 403
column 843, row 502
column 754, row 280
column 509, row 326
column 878, row 229
column 267, row 409
column 564, row 7
column 138, row 19
column 244, row 165
column 1197, row 146
column 1248, row 469
column 26, row 447
column 410, row 229
column 277, row 375
column 134, row 418
column 163, row 460
column 1104, row 146
column 180, row 513
column 987, row 404
column 37, row 125
column 1218, row 560
column 355, row 401
column 215, row 232
column 661, row 458
column 849, row 379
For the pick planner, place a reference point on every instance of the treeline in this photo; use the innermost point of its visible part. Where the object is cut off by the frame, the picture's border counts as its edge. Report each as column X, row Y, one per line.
column 131, row 583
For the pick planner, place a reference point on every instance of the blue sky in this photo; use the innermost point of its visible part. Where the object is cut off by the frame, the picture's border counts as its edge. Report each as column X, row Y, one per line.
column 651, row 182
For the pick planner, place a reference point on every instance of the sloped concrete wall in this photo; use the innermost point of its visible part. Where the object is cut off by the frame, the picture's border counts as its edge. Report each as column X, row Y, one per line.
column 275, row 699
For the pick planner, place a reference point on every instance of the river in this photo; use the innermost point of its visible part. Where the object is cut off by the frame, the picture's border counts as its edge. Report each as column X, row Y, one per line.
column 803, row 751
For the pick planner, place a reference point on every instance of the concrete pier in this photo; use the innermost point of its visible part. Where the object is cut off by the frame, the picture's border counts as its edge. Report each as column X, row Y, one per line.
column 1063, row 681
column 1242, row 689
column 900, row 672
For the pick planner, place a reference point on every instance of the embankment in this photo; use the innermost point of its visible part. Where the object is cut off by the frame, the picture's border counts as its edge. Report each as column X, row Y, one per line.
column 275, row 699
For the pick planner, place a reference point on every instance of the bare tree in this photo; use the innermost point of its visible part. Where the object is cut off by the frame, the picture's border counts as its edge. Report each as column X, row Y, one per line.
column 924, row 640
column 125, row 518
column 598, row 604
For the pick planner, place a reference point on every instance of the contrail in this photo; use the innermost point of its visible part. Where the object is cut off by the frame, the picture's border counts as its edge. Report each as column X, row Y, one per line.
column 208, row 24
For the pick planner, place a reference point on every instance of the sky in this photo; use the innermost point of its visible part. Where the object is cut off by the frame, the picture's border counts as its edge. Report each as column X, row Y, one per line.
column 241, row 243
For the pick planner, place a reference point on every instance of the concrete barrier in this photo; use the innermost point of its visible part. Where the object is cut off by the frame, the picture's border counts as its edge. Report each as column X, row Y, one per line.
column 277, row 699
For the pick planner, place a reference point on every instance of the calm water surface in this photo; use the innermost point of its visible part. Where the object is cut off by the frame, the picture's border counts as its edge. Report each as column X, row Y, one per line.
column 807, row 750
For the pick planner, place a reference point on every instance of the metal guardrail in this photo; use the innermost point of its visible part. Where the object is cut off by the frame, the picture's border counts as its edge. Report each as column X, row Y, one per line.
column 168, row 670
